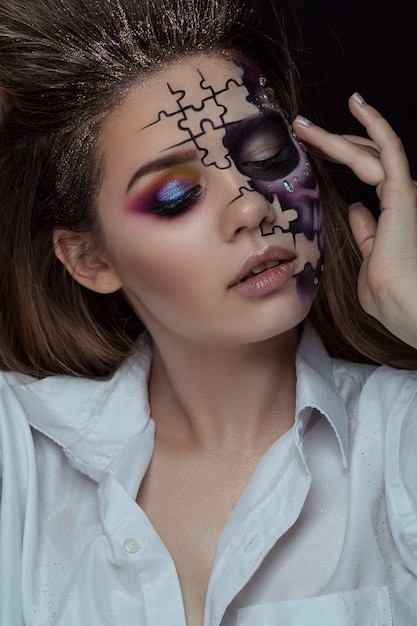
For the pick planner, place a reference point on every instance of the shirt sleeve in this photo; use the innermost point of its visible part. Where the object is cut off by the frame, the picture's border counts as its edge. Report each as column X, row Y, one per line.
column 401, row 471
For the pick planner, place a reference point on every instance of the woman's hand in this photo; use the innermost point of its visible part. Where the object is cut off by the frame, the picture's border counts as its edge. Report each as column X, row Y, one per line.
column 387, row 285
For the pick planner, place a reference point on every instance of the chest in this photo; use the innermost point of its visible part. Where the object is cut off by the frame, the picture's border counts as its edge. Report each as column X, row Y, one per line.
column 278, row 544
column 188, row 501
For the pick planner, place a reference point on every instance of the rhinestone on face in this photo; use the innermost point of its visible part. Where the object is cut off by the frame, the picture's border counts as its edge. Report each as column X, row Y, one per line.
column 316, row 281
column 262, row 81
column 288, row 186
column 269, row 94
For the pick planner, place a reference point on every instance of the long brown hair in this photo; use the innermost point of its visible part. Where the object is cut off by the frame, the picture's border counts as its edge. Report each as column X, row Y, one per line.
column 64, row 64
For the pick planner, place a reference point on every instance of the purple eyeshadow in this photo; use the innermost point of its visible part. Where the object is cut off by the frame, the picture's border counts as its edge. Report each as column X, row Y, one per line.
column 172, row 191
column 168, row 196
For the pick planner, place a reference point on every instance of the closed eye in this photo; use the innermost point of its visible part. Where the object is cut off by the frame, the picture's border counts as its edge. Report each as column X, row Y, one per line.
column 261, row 147
column 272, row 168
column 174, row 198
column 171, row 194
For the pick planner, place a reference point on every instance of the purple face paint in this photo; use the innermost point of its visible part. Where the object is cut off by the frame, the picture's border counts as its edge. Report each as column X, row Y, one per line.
column 284, row 175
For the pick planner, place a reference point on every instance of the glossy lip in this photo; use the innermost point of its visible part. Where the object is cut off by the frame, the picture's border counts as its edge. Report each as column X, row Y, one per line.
column 270, row 279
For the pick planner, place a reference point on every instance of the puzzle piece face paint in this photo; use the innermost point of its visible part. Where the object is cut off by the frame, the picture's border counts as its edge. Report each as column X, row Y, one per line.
column 239, row 124
column 287, row 176
column 180, row 209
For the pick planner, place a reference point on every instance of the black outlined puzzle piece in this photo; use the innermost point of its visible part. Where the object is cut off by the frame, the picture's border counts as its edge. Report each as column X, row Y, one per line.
column 221, row 159
column 194, row 119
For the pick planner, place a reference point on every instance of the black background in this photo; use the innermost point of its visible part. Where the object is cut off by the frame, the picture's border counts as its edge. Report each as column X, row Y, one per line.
column 368, row 46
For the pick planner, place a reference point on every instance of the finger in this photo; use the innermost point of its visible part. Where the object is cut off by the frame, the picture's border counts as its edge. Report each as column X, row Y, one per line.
column 364, row 143
column 341, row 149
column 363, row 226
column 392, row 153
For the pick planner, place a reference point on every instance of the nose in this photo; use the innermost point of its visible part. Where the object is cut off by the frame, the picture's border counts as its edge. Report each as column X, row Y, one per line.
column 247, row 210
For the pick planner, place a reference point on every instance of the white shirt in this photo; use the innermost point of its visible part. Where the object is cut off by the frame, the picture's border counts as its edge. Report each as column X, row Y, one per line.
column 325, row 533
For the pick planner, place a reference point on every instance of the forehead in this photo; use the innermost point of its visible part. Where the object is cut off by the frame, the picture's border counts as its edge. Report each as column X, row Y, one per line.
column 201, row 88
column 187, row 104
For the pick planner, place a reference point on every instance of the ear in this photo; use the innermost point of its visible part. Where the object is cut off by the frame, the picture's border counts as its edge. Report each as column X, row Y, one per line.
column 86, row 265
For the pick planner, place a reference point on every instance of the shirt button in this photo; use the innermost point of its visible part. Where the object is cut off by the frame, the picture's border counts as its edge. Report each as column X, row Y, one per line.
column 131, row 545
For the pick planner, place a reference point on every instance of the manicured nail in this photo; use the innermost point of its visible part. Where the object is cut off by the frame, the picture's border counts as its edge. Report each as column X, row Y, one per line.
column 304, row 120
column 358, row 98
column 354, row 205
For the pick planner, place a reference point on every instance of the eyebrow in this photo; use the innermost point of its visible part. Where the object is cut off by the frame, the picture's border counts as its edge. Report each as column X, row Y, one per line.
column 163, row 163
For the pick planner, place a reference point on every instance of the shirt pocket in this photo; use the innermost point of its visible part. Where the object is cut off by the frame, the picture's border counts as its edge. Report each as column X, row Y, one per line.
column 370, row 606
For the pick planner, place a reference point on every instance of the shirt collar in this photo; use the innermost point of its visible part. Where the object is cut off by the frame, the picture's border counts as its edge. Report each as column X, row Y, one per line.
column 96, row 422
column 316, row 389
column 82, row 415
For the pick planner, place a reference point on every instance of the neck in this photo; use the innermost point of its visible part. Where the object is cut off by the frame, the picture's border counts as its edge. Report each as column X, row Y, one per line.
column 230, row 398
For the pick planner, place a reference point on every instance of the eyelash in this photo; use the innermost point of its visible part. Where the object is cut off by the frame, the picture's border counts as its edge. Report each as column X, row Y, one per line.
column 263, row 165
column 250, row 140
column 176, row 206
column 275, row 167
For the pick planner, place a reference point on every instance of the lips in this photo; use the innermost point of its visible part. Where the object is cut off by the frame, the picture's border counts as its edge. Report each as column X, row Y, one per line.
column 262, row 261
column 261, row 268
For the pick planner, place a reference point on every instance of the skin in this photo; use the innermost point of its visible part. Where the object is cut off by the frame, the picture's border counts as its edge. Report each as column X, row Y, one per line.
column 222, row 385
column 177, row 271
column 386, row 284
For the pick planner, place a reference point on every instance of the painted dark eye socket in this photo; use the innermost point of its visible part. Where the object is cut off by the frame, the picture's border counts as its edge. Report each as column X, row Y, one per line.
column 261, row 147
column 271, row 168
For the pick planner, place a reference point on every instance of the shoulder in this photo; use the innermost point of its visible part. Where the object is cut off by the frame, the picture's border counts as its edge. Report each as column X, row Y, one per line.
column 399, row 390
column 351, row 378
column 387, row 388
column 66, row 408
column 16, row 441
column 386, row 401
column 76, row 414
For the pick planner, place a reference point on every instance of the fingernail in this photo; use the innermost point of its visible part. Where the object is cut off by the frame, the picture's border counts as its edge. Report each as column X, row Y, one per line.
column 359, row 99
column 354, row 205
column 304, row 120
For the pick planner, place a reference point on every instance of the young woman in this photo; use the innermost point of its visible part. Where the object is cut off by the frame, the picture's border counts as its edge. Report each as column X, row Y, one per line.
column 177, row 444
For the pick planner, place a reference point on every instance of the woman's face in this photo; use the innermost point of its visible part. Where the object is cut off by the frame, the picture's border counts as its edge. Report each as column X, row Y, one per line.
column 208, row 205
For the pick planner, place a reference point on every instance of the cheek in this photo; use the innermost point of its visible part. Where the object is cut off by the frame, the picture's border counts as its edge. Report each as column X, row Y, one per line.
column 299, row 212
column 147, row 273
column 298, row 195
column 311, row 248
column 156, row 264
